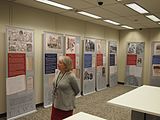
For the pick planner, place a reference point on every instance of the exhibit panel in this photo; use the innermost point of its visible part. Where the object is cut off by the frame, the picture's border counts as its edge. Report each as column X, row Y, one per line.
column 72, row 49
column 101, row 81
column 155, row 65
column 20, row 94
column 53, row 47
column 134, row 63
column 113, row 71
column 89, row 60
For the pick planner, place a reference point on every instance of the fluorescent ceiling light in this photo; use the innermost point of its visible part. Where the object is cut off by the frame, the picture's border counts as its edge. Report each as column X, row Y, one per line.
column 137, row 8
column 154, row 18
column 159, row 23
column 89, row 14
column 125, row 26
column 55, row 4
column 112, row 22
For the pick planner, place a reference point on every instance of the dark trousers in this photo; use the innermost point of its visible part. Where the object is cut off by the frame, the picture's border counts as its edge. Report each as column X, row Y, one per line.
column 58, row 114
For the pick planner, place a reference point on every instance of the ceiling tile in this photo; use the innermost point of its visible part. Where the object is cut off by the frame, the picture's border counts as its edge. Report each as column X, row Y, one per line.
column 78, row 4
column 77, row 16
column 120, row 10
column 39, row 5
column 150, row 5
column 105, row 2
column 111, row 9
column 100, row 12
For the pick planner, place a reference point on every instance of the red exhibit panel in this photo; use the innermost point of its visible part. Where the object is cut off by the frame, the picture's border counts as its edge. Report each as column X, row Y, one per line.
column 131, row 59
column 16, row 64
column 99, row 60
column 73, row 57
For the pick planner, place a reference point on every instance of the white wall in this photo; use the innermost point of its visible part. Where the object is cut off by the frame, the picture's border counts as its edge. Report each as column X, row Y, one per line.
column 38, row 20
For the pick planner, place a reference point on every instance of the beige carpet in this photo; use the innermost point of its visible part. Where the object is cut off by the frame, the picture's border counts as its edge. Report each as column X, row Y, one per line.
column 95, row 104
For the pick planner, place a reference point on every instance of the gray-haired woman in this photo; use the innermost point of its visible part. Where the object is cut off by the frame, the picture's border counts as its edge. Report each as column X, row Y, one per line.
column 65, row 88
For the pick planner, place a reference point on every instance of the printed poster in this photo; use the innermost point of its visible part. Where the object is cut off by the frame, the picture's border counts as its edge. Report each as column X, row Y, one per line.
column 156, row 70
column 135, row 71
column 19, row 40
column 103, row 71
column 112, row 59
column 87, row 60
column 50, row 63
column 99, row 47
column 15, row 84
column 77, row 62
column 53, row 42
column 89, row 45
column 16, row 64
column 131, row 59
column 140, row 48
column 113, row 48
column 30, row 83
column 139, row 61
column 88, row 75
column 73, row 57
column 113, row 70
column 50, row 80
column 71, row 44
column 156, row 59
column 131, row 48
column 156, row 49
column 99, row 59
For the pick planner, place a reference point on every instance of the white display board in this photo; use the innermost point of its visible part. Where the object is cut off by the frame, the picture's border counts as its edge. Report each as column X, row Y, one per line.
column 89, row 60
column 113, row 72
column 72, row 49
column 155, row 65
column 101, row 81
column 53, row 46
column 134, row 63
column 19, row 72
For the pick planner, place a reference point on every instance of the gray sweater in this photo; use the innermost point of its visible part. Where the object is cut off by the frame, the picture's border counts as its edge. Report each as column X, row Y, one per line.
column 67, row 89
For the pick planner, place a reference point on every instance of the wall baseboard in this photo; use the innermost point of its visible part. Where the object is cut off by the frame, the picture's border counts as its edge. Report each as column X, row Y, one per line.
column 122, row 83
column 39, row 105
column 3, row 115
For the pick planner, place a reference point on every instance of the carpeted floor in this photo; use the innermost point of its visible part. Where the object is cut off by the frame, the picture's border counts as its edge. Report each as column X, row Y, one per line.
column 95, row 104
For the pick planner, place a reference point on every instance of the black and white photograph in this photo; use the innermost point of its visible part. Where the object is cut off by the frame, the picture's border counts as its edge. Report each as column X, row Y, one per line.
column 89, row 45
column 131, row 48
column 88, row 75
column 53, row 41
column 140, row 48
column 19, row 40
column 70, row 44
column 112, row 48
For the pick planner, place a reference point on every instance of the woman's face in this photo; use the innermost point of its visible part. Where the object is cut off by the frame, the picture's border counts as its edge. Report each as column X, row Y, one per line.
column 61, row 66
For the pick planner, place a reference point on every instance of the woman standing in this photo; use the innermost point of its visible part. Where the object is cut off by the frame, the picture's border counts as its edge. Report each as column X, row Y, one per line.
column 65, row 88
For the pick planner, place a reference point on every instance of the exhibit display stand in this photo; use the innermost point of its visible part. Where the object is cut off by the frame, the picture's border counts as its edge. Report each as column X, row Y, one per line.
column 20, row 96
column 112, row 67
column 53, row 47
column 72, row 49
column 134, row 63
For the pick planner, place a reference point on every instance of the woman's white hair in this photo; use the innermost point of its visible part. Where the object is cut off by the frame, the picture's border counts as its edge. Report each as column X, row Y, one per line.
column 67, row 62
